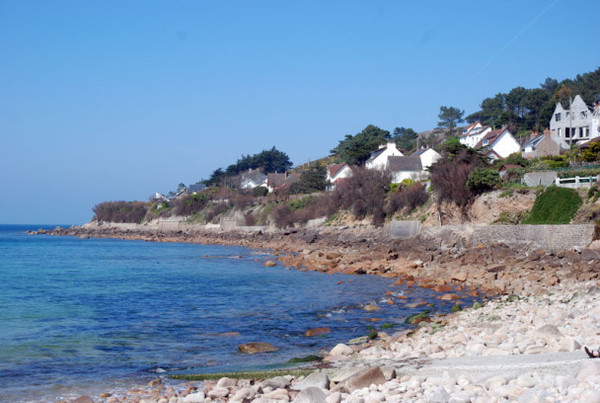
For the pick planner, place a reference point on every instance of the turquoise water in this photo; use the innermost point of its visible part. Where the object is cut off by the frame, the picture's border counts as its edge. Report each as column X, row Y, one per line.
column 82, row 316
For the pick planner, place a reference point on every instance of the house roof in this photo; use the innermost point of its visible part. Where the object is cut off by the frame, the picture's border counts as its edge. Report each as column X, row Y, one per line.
column 491, row 137
column 472, row 126
column 335, row 168
column 197, row 187
column 254, row 176
column 491, row 154
column 533, row 143
column 275, row 180
column 376, row 153
column 410, row 163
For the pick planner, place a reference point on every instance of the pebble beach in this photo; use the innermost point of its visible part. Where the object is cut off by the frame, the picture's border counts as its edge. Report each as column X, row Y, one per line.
column 524, row 344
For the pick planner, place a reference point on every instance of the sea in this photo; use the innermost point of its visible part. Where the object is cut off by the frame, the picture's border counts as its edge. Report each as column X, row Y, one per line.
column 85, row 316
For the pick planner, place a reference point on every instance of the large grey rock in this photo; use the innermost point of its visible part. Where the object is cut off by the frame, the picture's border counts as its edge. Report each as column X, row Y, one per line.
column 439, row 395
column 341, row 349
column 277, row 382
column 364, row 378
column 316, row 379
column 335, row 397
column 243, row 394
column 311, row 395
column 197, row 397
column 344, row 373
column 218, row 392
column 226, row 382
column 549, row 330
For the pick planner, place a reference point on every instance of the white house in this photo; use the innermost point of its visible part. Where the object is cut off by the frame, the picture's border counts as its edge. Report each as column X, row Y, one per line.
column 379, row 158
column 428, row 157
column 337, row 172
column 579, row 123
column 473, row 134
column 499, row 144
column 405, row 168
column 252, row 179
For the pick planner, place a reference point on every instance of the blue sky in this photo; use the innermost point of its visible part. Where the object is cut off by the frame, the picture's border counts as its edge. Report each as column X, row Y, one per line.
column 115, row 100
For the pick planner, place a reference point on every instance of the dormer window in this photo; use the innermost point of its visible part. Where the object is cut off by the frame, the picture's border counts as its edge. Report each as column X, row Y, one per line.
column 486, row 142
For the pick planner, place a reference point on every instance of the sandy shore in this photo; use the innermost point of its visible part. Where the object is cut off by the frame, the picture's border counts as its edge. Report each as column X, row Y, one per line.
column 524, row 345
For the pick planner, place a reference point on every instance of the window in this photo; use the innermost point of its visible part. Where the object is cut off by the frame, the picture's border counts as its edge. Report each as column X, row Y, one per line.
column 485, row 142
column 557, row 117
column 583, row 114
column 567, row 132
column 558, row 132
column 580, row 132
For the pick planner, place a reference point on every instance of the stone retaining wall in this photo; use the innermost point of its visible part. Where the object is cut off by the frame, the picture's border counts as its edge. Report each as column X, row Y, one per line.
column 552, row 238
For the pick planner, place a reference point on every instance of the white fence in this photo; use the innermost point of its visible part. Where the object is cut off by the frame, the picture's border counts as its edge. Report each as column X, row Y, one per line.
column 576, row 182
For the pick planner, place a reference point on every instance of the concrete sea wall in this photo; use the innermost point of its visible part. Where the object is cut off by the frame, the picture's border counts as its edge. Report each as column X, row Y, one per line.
column 552, row 238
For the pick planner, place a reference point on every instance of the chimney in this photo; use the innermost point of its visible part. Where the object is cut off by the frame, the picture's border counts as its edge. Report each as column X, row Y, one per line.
column 534, row 134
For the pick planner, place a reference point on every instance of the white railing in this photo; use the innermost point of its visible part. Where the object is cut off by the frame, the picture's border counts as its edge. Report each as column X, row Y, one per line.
column 576, row 182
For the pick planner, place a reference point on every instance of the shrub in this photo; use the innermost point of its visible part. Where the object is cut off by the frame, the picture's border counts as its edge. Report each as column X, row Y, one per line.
column 215, row 210
column 260, row 191
column 516, row 159
column 364, row 193
column 554, row 206
column 311, row 180
column 283, row 216
column 243, row 200
column 483, row 179
column 249, row 219
column 449, row 178
column 190, row 204
column 410, row 197
column 121, row 211
column 158, row 209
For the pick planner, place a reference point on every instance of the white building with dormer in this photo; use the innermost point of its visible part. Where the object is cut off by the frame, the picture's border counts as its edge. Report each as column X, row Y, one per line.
column 379, row 158
column 578, row 123
column 472, row 134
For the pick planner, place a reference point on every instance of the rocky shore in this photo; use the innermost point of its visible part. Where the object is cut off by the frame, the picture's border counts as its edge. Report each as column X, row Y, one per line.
column 523, row 345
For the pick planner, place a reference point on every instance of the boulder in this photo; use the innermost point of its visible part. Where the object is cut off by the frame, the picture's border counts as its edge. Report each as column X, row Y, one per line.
column 277, row 382
column 341, row 349
column 270, row 263
column 83, row 399
column 194, row 398
column 549, row 330
column 256, row 347
column 316, row 379
column 364, row 378
column 317, row 331
column 335, row 397
column 226, row 382
column 243, row 394
column 439, row 395
column 311, row 395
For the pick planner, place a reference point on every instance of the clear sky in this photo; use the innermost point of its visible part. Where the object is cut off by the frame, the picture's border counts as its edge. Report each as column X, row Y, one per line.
column 115, row 100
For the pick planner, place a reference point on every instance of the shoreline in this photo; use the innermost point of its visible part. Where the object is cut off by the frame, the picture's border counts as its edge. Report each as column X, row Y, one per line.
column 560, row 280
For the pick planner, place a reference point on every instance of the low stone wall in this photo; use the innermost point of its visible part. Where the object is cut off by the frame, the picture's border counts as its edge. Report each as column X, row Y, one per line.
column 404, row 229
column 552, row 238
column 544, row 178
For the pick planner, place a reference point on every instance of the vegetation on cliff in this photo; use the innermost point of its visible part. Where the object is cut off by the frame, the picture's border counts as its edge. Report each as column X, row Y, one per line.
column 555, row 206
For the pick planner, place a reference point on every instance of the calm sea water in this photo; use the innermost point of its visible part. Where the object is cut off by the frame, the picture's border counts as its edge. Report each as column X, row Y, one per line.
column 84, row 316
